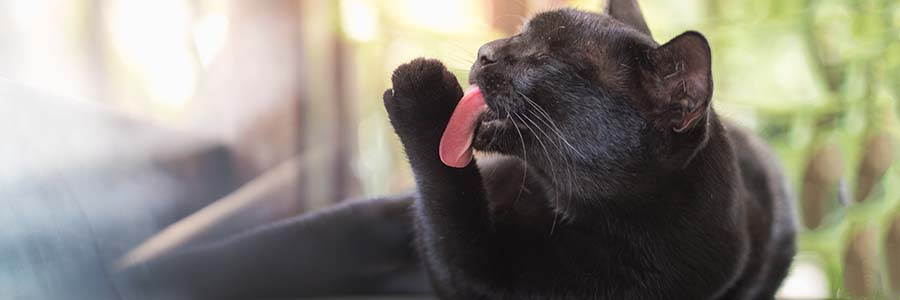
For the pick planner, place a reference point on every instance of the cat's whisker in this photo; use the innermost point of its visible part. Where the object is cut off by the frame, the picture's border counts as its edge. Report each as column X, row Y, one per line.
column 550, row 123
column 569, row 184
column 538, row 138
column 501, row 133
column 552, row 166
column 493, row 139
column 458, row 59
column 569, row 168
column 524, row 157
column 556, row 144
column 462, row 53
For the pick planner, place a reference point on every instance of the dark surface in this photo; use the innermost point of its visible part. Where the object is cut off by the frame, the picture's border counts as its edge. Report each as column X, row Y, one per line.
column 81, row 185
column 354, row 248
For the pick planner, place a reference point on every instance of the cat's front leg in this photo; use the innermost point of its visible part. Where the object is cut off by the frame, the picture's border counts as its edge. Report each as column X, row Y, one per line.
column 419, row 106
column 451, row 211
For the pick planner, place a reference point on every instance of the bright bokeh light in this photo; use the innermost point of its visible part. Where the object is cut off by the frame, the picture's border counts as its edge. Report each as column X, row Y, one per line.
column 806, row 281
column 451, row 17
column 25, row 11
column 360, row 20
column 152, row 40
column 210, row 33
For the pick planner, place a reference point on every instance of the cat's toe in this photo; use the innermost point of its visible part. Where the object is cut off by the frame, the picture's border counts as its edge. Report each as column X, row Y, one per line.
column 426, row 79
column 423, row 95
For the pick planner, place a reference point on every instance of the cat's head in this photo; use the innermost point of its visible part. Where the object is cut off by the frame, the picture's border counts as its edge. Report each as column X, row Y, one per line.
column 580, row 94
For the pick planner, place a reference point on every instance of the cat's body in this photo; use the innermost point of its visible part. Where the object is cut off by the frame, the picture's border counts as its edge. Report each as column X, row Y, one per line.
column 621, row 256
column 634, row 189
column 614, row 179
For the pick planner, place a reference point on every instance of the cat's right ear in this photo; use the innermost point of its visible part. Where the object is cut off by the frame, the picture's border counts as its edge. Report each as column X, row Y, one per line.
column 628, row 12
column 678, row 81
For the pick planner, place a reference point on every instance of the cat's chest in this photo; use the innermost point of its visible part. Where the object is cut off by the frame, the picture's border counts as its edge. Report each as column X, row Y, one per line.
column 514, row 190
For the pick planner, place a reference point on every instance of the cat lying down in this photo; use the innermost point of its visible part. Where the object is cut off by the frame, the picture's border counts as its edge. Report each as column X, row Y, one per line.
column 606, row 175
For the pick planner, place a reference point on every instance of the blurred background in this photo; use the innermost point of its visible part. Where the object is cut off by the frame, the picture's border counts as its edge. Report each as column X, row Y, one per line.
column 121, row 118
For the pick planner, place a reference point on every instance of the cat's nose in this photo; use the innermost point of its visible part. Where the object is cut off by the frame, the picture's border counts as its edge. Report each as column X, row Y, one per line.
column 487, row 54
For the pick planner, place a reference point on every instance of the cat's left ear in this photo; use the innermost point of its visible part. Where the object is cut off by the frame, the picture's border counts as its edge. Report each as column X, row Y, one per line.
column 628, row 12
column 678, row 80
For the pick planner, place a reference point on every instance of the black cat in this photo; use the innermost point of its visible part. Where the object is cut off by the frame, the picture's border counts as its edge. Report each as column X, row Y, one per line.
column 619, row 181
column 611, row 178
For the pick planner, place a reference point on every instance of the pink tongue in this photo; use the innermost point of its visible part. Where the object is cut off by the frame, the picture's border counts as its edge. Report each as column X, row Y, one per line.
column 456, row 143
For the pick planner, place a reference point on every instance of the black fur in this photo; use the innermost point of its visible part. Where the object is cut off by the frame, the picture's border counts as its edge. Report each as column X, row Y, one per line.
column 634, row 189
column 611, row 178
column 355, row 248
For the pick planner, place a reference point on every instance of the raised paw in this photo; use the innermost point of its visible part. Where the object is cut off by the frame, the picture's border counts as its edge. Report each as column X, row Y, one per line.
column 423, row 96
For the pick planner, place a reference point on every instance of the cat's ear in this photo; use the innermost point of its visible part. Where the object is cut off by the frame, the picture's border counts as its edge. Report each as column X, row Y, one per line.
column 679, row 80
column 628, row 12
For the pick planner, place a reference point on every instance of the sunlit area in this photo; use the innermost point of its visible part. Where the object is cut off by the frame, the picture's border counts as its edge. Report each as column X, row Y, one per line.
column 137, row 128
